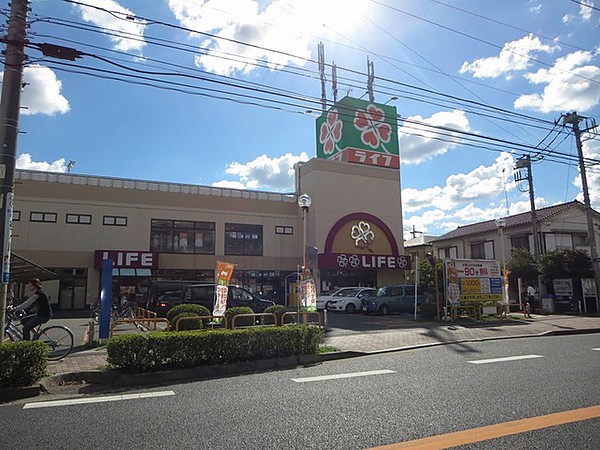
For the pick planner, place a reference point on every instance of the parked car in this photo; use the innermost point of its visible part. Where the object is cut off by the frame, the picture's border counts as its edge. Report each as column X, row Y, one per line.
column 163, row 295
column 350, row 299
column 168, row 294
column 393, row 299
column 324, row 300
column 204, row 294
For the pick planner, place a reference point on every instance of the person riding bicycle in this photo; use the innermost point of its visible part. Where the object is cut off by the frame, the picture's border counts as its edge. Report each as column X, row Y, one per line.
column 44, row 310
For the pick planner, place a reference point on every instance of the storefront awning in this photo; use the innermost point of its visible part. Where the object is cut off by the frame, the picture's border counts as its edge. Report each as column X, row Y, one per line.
column 22, row 270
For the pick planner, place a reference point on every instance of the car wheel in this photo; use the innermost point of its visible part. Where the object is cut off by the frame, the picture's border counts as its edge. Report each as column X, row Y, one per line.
column 327, row 305
column 350, row 308
column 384, row 310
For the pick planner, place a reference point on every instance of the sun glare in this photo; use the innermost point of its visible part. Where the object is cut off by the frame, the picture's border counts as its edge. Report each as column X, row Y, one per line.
column 336, row 15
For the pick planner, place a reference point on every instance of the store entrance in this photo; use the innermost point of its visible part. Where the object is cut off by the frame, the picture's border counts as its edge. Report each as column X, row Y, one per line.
column 332, row 279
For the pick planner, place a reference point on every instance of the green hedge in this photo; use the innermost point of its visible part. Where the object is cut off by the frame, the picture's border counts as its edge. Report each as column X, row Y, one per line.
column 22, row 363
column 166, row 350
column 230, row 313
column 278, row 310
column 188, row 308
column 189, row 324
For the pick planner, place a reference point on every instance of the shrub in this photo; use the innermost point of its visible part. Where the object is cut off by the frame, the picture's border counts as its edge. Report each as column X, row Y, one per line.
column 199, row 310
column 230, row 313
column 428, row 310
column 186, row 324
column 279, row 310
column 165, row 350
column 22, row 363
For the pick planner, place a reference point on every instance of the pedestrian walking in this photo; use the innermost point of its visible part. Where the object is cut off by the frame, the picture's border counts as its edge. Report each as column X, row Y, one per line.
column 528, row 310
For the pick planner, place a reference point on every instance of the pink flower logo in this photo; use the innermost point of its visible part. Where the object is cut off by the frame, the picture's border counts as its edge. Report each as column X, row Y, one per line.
column 374, row 131
column 331, row 132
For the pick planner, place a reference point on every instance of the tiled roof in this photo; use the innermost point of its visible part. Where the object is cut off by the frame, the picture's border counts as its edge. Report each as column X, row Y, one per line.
column 511, row 221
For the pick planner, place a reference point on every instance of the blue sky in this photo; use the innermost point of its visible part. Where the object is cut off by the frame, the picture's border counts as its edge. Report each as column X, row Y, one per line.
column 226, row 93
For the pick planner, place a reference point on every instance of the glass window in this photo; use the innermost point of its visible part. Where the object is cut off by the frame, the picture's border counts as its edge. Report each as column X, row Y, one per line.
column 243, row 239
column 16, row 215
column 42, row 217
column 114, row 221
column 79, row 218
column 519, row 242
column 182, row 236
column 558, row 241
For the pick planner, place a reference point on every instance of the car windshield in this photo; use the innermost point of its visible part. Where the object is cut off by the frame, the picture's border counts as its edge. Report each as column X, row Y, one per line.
column 383, row 291
column 348, row 293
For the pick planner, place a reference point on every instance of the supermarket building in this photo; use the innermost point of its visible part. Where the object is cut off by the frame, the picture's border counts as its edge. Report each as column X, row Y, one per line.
column 68, row 223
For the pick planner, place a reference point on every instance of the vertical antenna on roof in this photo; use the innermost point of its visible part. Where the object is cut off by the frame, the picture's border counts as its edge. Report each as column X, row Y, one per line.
column 370, row 79
column 334, row 88
column 321, row 54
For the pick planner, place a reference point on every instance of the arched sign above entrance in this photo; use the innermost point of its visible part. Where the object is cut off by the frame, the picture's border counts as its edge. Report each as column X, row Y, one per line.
column 362, row 241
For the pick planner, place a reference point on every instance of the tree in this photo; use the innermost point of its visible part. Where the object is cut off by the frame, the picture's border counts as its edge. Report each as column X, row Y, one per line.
column 565, row 264
column 522, row 265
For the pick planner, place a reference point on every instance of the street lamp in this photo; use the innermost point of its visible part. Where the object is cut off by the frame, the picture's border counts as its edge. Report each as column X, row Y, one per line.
column 304, row 202
column 501, row 224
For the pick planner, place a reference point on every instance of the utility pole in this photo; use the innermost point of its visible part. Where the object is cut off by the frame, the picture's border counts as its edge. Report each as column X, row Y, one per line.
column 525, row 162
column 9, row 129
column 573, row 119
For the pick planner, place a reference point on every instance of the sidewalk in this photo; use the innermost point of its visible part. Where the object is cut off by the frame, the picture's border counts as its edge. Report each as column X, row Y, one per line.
column 411, row 335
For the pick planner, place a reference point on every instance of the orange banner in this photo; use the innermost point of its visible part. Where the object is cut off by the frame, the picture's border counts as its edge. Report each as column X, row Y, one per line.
column 223, row 276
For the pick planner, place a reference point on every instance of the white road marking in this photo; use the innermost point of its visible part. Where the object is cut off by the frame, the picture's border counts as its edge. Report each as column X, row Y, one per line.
column 598, row 349
column 112, row 398
column 508, row 358
column 342, row 375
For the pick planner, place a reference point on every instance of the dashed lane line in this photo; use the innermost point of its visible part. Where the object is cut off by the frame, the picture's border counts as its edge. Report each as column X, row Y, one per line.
column 342, row 375
column 82, row 401
column 505, row 359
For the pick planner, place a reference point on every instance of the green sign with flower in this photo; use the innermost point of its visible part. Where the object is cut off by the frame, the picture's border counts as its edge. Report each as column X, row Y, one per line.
column 359, row 131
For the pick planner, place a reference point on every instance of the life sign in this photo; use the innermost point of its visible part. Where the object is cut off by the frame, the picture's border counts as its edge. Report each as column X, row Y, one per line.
column 127, row 259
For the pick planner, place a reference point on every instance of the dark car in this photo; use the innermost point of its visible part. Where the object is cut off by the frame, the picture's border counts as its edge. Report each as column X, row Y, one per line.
column 204, row 294
column 163, row 295
column 393, row 299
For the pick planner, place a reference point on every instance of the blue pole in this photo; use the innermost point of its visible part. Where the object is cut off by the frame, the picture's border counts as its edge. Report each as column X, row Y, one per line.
column 105, row 299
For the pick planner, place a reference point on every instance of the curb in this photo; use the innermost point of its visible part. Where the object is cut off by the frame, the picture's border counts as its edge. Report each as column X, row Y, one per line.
column 17, row 393
column 113, row 378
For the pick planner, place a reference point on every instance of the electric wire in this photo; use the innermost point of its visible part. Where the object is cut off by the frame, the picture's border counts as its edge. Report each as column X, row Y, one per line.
column 257, row 98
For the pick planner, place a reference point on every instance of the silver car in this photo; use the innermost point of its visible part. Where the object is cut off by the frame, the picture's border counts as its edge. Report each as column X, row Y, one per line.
column 349, row 302
column 324, row 301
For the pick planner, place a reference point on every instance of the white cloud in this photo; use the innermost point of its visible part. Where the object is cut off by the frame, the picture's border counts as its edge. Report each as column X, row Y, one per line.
column 264, row 173
column 41, row 94
column 24, row 162
column 535, row 9
column 120, row 19
column 281, row 25
column 585, row 10
column 571, row 84
column 456, row 203
column 419, row 143
column 514, row 56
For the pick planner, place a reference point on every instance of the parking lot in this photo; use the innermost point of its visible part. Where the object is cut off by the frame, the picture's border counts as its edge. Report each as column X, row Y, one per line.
column 342, row 323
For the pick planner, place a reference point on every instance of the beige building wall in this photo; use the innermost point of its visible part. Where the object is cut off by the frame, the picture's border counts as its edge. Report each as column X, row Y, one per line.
column 72, row 245
column 339, row 189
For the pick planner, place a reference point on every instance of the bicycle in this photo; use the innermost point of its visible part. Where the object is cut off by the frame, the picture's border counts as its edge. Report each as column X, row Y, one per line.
column 127, row 311
column 58, row 338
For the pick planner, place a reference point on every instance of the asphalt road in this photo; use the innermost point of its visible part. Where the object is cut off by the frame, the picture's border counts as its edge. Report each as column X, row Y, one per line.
column 356, row 403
